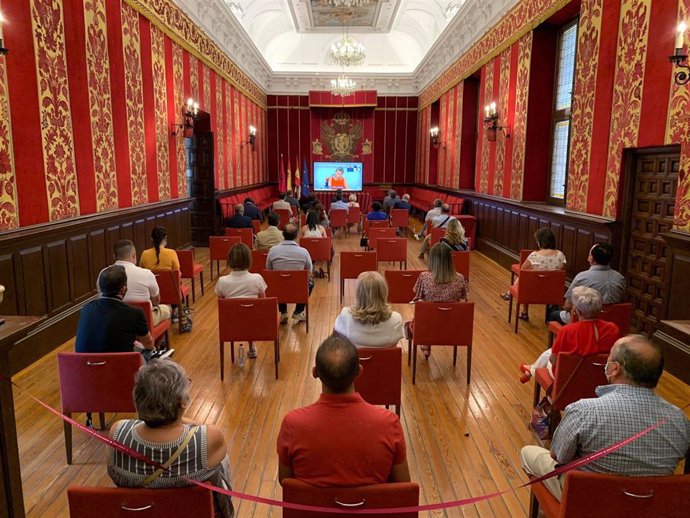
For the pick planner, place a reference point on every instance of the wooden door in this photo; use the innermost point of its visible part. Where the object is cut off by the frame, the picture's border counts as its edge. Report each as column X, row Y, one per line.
column 650, row 213
column 202, row 189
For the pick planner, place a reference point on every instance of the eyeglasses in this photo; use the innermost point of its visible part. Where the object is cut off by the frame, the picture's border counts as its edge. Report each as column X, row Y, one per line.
column 607, row 364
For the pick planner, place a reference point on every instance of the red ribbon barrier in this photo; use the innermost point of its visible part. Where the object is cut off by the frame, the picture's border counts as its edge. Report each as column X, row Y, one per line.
column 389, row 510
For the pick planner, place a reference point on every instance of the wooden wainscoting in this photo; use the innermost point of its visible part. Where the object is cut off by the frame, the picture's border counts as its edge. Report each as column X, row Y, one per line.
column 51, row 269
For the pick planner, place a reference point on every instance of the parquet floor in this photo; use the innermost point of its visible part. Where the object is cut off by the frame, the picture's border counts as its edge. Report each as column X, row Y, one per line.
column 462, row 440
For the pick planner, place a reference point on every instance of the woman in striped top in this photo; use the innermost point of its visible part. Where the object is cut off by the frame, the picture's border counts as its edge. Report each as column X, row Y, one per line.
column 189, row 451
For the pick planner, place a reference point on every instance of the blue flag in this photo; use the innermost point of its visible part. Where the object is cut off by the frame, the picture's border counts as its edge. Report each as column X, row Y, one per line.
column 305, row 179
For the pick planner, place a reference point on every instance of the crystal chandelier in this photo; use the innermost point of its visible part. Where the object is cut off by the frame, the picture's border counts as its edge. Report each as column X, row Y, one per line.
column 347, row 52
column 349, row 3
column 342, row 85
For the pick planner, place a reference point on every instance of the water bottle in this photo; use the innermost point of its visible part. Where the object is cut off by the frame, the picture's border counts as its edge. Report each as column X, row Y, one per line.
column 240, row 358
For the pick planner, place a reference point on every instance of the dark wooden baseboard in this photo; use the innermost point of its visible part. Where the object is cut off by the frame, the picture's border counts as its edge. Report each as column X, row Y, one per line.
column 673, row 336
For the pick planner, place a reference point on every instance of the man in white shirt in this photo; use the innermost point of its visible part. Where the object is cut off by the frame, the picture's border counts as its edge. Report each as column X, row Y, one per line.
column 282, row 203
column 141, row 283
column 435, row 211
column 440, row 221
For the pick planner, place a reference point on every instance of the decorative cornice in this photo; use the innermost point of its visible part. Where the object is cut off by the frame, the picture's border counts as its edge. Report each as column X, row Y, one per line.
column 299, row 84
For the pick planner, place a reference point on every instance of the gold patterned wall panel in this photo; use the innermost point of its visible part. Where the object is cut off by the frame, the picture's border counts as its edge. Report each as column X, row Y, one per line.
column 194, row 81
column 486, row 146
column 627, row 93
column 160, row 101
column 55, row 115
column 519, row 133
column 503, row 92
column 589, row 33
column 9, row 213
column 458, row 135
column 440, row 152
column 131, row 45
column 677, row 122
column 229, row 148
column 681, row 220
column 206, row 97
column 236, row 131
column 180, row 101
column 220, row 134
column 100, row 104
column 426, row 146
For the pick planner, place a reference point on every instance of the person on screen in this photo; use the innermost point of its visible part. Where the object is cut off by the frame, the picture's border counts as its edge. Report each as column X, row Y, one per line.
column 337, row 181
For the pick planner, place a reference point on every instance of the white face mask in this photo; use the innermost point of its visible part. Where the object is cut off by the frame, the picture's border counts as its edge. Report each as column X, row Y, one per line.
column 606, row 371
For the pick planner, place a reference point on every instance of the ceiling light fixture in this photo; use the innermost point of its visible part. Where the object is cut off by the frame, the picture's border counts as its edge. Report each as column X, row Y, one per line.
column 347, row 52
column 342, row 85
column 349, row 3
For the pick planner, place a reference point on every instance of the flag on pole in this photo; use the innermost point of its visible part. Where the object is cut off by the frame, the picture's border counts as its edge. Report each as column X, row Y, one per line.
column 289, row 176
column 281, row 179
column 305, row 178
column 298, row 178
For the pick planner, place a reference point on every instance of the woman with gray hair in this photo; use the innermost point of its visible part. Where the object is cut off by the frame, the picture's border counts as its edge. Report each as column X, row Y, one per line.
column 187, row 450
column 585, row 336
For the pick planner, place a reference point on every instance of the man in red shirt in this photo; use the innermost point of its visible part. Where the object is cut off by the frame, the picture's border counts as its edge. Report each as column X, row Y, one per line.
column 341, row 440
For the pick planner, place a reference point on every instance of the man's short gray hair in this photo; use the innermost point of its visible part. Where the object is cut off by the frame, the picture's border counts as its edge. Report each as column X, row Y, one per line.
column 406, row 197
column 587, row 301
column 160, row 389
column 239, row 209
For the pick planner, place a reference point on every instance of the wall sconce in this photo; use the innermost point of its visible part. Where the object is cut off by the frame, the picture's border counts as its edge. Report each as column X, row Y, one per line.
column 3, row 50
column 679, row 59
column 491, row 123
column 189, row 114
column 435, row 135
column 252, row 137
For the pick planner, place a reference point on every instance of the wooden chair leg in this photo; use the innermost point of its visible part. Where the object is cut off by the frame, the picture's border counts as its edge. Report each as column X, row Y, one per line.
column 533, row 506
column 510, row 309
column 307, row 312
column 414, row 363
column 537, row 394
column 409, row 352
column 68, row 439
column 222, row 360
column 469, row 363
column 328, row 270
column 455, row 355
column 101, row 420
column 193, row 290
column 201, row 281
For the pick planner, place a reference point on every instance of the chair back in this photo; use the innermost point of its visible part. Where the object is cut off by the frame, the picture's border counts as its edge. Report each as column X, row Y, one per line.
column 284, row 215
column 524, row 254
column 248, row 319
column 619, row 314
column 146, row 307
column 186, row 258
column 376, row 233
column 338, row 218
column 381, row 379
column 246, row 235
column 319, row 248
column 461, row 260
column 443, row 323
column 219, row 246
column 374, row 223
column 353, row 215
column 436, row 235
column 391, row 249
column 288, row 286
column 256, row 226
column 302, row 220
column 100, row 382
column 375, row 496
column 354, row 263
column 541, row 287
column 258, row 261
column 169, row 286
column 576, row 377
column 400, row 218
column 123, row 502
column 641, row 497
column 401, row 285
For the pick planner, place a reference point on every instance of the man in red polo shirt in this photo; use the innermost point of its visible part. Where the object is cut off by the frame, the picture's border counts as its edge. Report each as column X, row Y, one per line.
column 341, row 440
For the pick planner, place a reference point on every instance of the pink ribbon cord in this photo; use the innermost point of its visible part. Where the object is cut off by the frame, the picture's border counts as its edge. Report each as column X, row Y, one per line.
column 583, row 461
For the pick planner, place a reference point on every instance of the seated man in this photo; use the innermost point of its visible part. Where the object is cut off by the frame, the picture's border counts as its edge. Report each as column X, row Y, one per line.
column 109, row 325
column 440, row 221
column 290, row 198
column 239, row 220
column 288, row 255
column 403, row 203
column 600, row 276
column 376, row 214
column 339, row 204
column 341, row 440
column 271, row 236
column 141, row 283
column 282, row 203
column 624, row 408
column 252, row 211
column 389, row 201
column 431, row 214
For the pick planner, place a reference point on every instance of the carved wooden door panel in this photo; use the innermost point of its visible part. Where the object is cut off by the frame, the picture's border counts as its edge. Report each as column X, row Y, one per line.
column 202, row 189
column 651, row 214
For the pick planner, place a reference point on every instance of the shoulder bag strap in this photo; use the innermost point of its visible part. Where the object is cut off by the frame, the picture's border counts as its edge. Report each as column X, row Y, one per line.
column 153, row 476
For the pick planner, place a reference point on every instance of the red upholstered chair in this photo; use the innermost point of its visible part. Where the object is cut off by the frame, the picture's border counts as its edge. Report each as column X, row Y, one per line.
column 124, row 502
column 401, row 285
column 400, row 218
column 374, row 223
column 100, row 382
column 245, row 234
column 256, row 226
column 319, row 249
column 461, row 260
column 247, row 320
column 219, row 246
column 289, row 287
column 515, row 267
column 376, row 496
column 302, row 220
column 172, row 290
column 619, row 314
column 392, row 249
column 436, row 235
column 354, row 263
column 536, row 287
column 442, row 323
column 189, row 269
column 258, row 261
column 156, row 331
column 593, row 495
column 338, row 218
column 376, row 233
column 284, row 215
column 354, row 215
column 380, row 382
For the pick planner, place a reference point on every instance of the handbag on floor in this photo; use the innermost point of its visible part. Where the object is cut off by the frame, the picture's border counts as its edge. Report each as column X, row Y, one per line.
column 186, row 322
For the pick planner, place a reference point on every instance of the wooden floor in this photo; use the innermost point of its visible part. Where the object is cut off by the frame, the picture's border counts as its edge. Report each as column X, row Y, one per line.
column 462, row 440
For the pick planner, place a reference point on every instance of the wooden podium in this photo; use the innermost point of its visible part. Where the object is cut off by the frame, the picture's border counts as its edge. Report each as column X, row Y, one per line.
column 14, row 329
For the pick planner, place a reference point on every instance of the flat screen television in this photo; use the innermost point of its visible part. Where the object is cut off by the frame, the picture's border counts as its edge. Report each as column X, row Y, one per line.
column 331, row 176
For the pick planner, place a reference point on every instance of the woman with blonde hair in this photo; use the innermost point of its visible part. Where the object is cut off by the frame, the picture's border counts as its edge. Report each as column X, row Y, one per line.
column 455, row 236
column 370, row 322
column 352, row 201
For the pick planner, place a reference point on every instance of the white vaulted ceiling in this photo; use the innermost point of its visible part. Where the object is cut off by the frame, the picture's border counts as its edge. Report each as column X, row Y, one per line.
column 283, row 44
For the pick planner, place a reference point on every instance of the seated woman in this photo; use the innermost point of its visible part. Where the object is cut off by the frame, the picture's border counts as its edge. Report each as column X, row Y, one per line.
column 440, row 284
column 589, row 335
column 352, row 201
column 370, row 322
column 455, row 236
column 312, row 228
column 323, row 217
column 547, row 257
column 240, row 283
column 377, row 213
column 158, row 257
column 161, row 396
